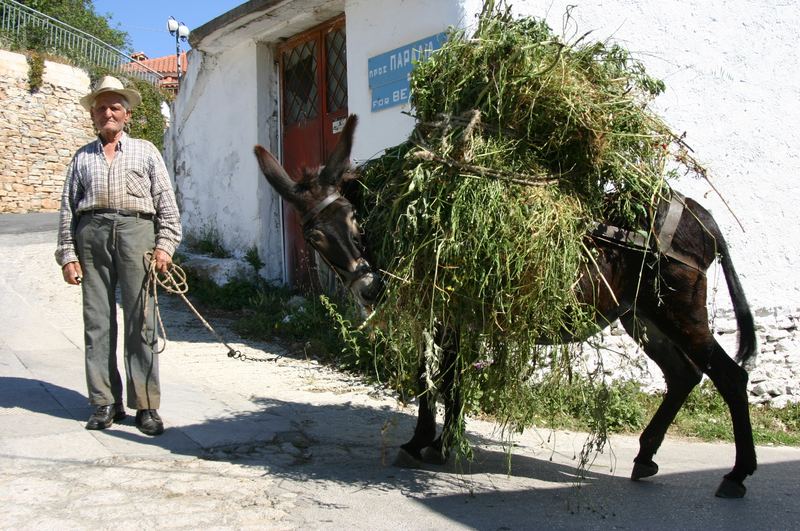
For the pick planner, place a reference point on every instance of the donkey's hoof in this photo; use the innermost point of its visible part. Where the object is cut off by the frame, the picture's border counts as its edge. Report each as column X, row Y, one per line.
column 731, row 489
column 433, row 456
column 404, row 459
column 643, row 470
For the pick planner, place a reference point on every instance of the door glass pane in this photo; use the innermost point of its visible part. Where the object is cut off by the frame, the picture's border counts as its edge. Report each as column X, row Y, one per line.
column 336, row 47
column 300, row 90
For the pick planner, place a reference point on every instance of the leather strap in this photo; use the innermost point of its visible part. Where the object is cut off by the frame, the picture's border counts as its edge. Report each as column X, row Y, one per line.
column 319, row 207
column 126, row 213
column 640, row 241
column 670, row 224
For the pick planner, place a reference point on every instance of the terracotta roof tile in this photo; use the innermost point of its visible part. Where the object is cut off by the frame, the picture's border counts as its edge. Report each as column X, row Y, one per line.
column 163, row 65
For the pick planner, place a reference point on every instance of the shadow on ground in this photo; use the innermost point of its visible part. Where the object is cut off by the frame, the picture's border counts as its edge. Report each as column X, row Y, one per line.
column 40, row 397
column 351, row 448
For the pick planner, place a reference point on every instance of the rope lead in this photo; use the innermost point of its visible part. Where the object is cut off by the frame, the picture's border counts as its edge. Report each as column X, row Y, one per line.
column 174, row 282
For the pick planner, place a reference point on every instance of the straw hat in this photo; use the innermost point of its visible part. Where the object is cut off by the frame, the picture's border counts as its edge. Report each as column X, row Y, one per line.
column 111, row 84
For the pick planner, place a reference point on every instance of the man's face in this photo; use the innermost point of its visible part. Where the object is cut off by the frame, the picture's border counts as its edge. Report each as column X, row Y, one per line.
column 109, row 114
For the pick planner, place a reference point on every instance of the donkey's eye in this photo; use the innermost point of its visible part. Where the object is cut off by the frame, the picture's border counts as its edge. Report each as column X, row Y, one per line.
column 356, row 239
column 315, row 236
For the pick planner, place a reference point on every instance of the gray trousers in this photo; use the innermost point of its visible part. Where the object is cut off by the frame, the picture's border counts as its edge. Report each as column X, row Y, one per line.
column 111, row 250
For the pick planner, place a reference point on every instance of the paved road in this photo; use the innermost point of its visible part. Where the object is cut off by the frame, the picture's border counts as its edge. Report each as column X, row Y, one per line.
column 28, row 223
column 291, row 444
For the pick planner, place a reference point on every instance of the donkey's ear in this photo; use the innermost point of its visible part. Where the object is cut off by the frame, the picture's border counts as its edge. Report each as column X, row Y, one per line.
column 275, row 174
column 339, row 161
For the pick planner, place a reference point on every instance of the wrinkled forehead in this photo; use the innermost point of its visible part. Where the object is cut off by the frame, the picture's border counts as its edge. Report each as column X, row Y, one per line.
column 109, row 99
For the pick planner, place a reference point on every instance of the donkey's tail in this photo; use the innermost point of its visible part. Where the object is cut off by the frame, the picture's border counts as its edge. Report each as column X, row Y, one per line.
column 744, row 317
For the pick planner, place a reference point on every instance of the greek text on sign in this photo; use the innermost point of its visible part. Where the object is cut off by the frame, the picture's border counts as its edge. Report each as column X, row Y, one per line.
column 396, row 64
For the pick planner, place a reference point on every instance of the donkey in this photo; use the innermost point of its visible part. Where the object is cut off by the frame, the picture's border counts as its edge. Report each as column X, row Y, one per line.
column 670, row 326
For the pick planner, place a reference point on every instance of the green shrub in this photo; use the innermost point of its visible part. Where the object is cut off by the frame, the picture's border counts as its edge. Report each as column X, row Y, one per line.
column 148, row 122
column 209, row 242
column 35, row 70
column 253, row 258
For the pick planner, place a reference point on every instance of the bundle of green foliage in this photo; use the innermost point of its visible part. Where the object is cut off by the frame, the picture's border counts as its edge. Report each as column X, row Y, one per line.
column 522, row 141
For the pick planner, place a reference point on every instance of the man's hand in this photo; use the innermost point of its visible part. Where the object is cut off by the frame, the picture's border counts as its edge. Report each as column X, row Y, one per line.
column 73, row 274
column 162, row 259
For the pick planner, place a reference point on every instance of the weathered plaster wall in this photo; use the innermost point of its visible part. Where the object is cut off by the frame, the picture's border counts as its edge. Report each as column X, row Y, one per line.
column 216, row 123
column 39, row 132
column 732, row 71
column 372, row 29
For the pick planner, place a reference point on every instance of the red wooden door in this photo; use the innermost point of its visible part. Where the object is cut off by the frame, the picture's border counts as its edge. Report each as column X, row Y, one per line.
column 314, row 89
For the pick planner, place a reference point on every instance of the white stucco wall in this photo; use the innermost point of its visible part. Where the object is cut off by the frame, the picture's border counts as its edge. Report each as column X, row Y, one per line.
column 218, row 117
column 732, row 71
column 733, row 83
column 375, row 27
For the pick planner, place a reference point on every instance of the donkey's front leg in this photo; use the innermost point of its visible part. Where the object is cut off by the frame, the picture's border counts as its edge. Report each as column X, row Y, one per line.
column 410, row 454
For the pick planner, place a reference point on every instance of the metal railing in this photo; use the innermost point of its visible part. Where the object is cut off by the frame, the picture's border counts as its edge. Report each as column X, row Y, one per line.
column 20, row 24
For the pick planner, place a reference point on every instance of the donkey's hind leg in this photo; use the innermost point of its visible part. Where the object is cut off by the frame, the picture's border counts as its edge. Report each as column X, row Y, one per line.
column 680, row 375
column 731, row 381
column 683, row 317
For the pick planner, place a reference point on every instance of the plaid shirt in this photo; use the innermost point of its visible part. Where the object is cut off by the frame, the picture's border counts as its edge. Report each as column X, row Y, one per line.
column 137, row 180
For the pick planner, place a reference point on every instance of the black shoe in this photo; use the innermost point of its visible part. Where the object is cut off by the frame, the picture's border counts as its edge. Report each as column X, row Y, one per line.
column 104, row 416
column 148, row 422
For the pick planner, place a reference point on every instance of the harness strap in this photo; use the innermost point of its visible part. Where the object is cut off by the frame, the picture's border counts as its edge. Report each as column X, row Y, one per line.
column 640, row 241
column 670, row 225
column 360, row 271
column 627, row 238
column 319, row 207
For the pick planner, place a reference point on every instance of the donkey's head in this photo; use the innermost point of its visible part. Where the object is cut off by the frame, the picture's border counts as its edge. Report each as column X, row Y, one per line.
column 329, row 225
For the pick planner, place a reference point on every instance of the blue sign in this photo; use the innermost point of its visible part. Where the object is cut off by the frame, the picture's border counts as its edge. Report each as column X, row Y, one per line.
column 389, row 95
column 389, row 71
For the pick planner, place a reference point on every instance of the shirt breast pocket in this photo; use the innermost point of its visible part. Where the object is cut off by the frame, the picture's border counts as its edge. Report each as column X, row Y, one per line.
column 137, row 184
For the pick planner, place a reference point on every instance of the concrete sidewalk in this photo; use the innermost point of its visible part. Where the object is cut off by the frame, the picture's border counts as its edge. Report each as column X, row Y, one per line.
column 291, row 444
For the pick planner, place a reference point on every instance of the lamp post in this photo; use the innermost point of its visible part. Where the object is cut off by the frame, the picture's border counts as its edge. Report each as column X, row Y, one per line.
column 181, row 32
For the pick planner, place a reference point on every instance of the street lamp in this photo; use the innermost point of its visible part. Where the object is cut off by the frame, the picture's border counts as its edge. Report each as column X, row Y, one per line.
column 181, row 32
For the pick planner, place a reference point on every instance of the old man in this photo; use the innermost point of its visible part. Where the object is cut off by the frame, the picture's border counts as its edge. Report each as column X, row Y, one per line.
column 118, row 212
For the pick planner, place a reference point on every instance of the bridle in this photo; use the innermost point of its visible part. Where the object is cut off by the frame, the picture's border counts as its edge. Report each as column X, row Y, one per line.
column 319, row 207
column 308, row 219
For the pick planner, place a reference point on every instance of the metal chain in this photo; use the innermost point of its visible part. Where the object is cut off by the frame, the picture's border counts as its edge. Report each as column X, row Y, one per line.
column 174, row 281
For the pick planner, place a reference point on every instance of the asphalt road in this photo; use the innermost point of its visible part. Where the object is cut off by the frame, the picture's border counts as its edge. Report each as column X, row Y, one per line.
column 292, row 444
column 29, row 223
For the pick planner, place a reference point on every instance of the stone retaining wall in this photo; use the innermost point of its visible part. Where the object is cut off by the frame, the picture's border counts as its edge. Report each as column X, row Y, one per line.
column 774, row 373
column 39, row 132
